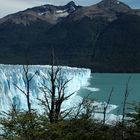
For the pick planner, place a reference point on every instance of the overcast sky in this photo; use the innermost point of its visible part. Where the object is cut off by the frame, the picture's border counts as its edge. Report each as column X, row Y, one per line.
column 11, row 6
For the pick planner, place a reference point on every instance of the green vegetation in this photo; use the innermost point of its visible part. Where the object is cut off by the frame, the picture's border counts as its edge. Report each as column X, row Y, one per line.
column 24, row 126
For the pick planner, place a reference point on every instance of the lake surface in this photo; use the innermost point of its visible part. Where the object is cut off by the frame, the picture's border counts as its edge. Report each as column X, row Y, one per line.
column 105, row 82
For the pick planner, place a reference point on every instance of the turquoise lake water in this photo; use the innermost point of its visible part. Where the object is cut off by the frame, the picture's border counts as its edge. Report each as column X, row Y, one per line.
column 105, row 82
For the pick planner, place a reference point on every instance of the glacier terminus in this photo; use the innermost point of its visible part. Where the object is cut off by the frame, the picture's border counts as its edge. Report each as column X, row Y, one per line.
column 11, row 75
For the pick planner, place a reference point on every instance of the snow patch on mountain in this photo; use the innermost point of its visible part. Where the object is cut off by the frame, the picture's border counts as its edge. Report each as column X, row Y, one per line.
column 61, row 13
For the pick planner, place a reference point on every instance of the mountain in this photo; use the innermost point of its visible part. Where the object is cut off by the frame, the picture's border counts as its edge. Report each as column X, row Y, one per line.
column 103, row 37
column 48, row 13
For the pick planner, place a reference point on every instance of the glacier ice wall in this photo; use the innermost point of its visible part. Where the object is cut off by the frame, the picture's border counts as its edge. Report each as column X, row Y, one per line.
column 11, row 75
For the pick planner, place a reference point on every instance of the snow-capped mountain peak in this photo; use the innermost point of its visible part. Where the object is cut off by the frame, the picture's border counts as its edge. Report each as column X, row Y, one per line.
column 49, row 13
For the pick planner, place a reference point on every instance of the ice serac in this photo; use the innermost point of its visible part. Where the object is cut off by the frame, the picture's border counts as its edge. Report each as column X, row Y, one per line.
column 11, row 75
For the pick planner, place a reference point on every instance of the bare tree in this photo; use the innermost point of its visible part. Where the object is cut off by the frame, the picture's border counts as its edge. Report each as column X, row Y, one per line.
column 106, row 106
column 55, row 95
column 27, row 85
column 126, row 93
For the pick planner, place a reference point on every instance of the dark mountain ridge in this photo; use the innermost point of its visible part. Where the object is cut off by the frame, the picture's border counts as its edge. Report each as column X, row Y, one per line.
column 103, row 37
column 48, row 13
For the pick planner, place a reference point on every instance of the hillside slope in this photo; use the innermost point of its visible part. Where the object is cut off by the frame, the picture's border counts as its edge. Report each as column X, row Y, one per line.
column 103, row 37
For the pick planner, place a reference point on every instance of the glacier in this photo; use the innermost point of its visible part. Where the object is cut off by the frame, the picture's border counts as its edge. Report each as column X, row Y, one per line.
column 11, row 75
